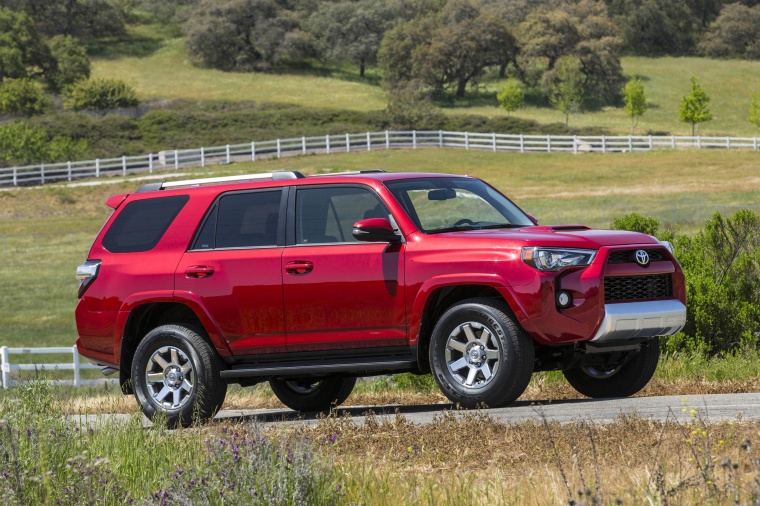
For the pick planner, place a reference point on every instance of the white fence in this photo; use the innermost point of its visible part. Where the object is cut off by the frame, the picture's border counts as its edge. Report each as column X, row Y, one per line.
column 6, row 367
column 174, row 159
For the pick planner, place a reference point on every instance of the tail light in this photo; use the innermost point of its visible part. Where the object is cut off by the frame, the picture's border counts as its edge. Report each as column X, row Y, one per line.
column 86, row 274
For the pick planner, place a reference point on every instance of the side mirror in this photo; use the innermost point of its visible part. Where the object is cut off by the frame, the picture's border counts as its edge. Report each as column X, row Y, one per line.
column 375, row 230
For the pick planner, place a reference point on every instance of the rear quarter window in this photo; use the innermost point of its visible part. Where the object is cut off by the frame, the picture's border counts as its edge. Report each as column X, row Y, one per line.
column 142, row 223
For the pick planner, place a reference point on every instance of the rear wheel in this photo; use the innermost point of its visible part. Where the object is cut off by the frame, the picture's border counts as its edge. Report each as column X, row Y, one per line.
column 617, row 380
column 312, row 394
column 479, row 356
column 176, row 372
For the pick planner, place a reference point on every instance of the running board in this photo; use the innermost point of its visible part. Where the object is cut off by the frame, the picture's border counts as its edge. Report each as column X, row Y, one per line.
column 359, row 367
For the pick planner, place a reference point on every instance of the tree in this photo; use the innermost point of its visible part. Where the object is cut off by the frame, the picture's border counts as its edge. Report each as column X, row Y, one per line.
column 448, row 50
column 655, row 27
column 23, row 97
column 512, row 96
column 754, row 111
column 73, row 64
column 734, row 34
column 23, row 53
column 351, row 31
column 22, row 143
column 635, row 100
column 695, row 107
column 99, row 94
column 409, row 107
column 564, row 86
column 85, row 19
column 244, row 34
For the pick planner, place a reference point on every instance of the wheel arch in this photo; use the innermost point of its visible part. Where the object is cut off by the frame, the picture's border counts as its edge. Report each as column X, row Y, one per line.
column 143, row 318
column 439, row 300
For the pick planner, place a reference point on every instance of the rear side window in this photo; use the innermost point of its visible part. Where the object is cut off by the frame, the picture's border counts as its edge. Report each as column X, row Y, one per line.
column 242, row 220
column 142, row 223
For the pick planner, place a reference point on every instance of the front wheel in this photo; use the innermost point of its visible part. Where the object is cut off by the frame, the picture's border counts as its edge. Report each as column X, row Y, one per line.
column 312, row 394
column 617, row 380
column 176, row 372
column 479, row 356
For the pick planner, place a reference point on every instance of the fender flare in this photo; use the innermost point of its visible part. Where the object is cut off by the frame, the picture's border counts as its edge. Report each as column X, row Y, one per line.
column 188, row 299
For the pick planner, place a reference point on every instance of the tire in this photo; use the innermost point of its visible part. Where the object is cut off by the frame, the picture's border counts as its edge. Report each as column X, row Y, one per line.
column 621, row 381
column 479, row 356
column 176, row 374
column 312, row 394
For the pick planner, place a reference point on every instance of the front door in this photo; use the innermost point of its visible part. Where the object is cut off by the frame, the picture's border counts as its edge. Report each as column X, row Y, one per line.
column 340, row 293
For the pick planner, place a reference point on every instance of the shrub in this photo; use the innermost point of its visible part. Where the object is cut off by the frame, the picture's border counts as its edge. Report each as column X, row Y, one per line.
column 73, row 63
column 23, row 97
column 100, row 94
column 722, row 268
column 22, row 143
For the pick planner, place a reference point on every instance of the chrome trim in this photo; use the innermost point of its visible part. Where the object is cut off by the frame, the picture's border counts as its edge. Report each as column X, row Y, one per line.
column 630, row 320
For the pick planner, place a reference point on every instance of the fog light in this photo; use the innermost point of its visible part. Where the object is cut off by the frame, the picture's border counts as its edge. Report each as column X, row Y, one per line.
column 563, row 299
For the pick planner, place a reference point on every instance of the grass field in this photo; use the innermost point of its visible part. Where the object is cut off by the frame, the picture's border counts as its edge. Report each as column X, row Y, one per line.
column 46, row 232
column 156, row 64
column 464, row 458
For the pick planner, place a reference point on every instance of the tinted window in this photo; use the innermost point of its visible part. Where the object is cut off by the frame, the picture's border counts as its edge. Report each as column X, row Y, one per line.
column 327, row 215
column 142, row 223
column 242, row 220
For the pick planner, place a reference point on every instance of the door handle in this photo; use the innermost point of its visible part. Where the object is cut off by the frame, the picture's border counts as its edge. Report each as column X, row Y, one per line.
column 299, row 267
column 199, row 271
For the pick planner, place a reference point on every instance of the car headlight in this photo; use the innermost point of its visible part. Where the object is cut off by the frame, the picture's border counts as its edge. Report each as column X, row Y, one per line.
column 668, row 246
column 554, row 259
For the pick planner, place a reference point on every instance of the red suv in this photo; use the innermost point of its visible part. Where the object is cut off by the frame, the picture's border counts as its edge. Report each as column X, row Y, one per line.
column 311, row 282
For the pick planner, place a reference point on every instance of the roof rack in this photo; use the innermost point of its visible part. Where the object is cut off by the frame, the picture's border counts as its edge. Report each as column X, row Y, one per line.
column 279, row 175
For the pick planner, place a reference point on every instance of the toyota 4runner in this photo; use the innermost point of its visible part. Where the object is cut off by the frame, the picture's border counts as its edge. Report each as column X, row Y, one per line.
column 311, row 282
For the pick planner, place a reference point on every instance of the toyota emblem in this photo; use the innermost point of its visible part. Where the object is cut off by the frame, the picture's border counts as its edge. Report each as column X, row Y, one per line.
column 642, row 257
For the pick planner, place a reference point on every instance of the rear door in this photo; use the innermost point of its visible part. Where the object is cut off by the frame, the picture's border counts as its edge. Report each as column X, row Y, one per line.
column 340, row 293
column 233, row 267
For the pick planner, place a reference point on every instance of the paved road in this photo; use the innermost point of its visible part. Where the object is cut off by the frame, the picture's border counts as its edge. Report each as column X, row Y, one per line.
column 712, row 408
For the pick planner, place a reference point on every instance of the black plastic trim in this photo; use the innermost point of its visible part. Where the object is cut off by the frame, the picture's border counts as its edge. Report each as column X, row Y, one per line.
column 355, row 366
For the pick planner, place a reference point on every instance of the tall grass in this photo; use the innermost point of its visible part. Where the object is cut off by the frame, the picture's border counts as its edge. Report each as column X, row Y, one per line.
column 49, row 458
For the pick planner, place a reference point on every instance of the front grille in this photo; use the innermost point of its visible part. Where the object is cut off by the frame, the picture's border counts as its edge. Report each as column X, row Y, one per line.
column 626, row 256
column 624, row 288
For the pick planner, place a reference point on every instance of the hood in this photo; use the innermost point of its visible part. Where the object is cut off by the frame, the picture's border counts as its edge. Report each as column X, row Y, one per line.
column 564, row 236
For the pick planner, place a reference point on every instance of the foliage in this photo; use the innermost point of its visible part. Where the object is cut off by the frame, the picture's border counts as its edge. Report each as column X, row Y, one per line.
column 22, row 143
column 86, row 19
column 573, row 29
column 564, row 86
column 635, row 100
column 410, row 108
column 23, row 53
column 448, row 50
column 73, row 64
column 99, row 94
column 655, row 27
column 754, row 110
column 695, row 107
column 511, row 97
column 351, row 31
column 722, row 268
column 245, row 34
column 51, row 458
column 23, row 97
column 734, row 34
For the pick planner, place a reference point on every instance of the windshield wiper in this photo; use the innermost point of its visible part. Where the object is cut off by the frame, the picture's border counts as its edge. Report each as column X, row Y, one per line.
column 474, row 226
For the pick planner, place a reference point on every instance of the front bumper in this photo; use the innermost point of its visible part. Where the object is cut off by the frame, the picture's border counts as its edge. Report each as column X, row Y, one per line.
column 631, row 320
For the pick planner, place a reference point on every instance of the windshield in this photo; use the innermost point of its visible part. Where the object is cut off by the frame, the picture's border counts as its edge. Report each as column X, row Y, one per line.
column 455, row 203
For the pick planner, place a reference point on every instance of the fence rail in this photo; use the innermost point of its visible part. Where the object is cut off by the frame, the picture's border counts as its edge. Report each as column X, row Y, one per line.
column 7, row 367
column 252, row 151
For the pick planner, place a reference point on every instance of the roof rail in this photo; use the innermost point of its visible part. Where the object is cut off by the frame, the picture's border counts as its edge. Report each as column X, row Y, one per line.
column 277, row 175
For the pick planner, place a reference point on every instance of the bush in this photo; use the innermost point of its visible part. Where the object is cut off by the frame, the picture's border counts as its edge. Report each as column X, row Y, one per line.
column 23, row 97
column 22, row 143
column 73, row 63
column 722, row 268
column 98, row 94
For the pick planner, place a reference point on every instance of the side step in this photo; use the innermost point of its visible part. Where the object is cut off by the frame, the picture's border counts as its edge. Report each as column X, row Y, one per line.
column 347, row 366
